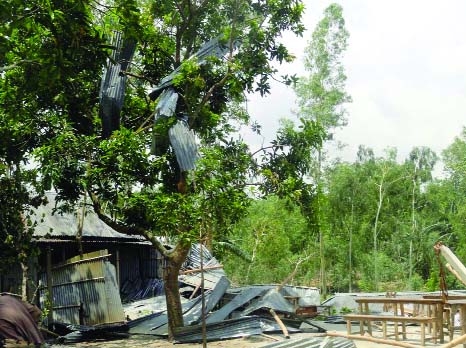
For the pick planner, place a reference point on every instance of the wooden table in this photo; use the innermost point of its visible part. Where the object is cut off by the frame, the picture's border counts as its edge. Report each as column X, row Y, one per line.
column 432, row 308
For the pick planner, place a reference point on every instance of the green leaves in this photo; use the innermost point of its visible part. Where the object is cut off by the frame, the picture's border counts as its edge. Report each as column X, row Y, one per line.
column 321, row 94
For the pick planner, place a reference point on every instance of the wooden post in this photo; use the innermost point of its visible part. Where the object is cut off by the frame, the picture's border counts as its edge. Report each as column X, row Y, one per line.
column 463, row 321
column 117, row 252
column 49, row 284
column 403, row 324
column 423, row 334
column 280, row 323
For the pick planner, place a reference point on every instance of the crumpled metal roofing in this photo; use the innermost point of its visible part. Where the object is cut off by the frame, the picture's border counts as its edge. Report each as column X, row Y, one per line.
column 272, row 299
column 183, row 141
column 147, row 325
column 192, row 312
column 113, row 85
column 227, row 329
column 166, row 104
column 213, row 48
column 182, row 138
column 213, row 270
column 239, row 300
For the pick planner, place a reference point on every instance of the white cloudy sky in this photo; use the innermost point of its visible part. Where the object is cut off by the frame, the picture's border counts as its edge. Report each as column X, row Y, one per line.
column 406, row 68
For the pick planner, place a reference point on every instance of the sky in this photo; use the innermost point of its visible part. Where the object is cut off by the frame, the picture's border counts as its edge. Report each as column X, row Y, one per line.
column 406, row 69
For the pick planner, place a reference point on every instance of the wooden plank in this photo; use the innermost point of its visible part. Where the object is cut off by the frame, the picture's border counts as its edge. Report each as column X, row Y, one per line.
column 374, row 339
column 374, row 317
column 396, row 300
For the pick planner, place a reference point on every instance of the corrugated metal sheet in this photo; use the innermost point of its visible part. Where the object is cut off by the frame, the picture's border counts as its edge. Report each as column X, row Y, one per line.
column 308, row 296
column 213, row 48
column 84, row 291
column 184, row 144
column 166, row 105
column 239, row 300
column 113, row 85
column 66, row 225
column 314, row 342
column 213, row 270
column 156, row 323
column 238, row 327
column 271, row 299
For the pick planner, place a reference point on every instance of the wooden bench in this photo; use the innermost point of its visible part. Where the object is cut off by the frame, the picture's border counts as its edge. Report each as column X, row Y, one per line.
column 368, row 319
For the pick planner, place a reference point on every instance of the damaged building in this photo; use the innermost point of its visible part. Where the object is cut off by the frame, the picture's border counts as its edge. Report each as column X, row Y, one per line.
column 107, row 284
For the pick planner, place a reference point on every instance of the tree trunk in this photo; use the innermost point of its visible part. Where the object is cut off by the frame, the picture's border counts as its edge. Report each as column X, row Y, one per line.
column 413, row 228
column 323, row 274
column 79, row 232
column 350, row 252
column 24, row 281
column 172, row 289
column 375, row 232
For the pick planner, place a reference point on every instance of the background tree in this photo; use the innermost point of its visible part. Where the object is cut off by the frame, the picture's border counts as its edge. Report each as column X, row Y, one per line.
column 421, row 162
column 273, row 236
column 345, row 195
column 321, row 98
column 451, row 192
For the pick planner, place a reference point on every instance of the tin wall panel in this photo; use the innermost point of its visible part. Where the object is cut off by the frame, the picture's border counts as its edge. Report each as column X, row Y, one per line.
column 85, row 289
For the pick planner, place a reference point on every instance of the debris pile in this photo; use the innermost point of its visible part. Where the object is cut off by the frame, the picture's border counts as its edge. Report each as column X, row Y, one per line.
column 228, row 312
column 208, row 300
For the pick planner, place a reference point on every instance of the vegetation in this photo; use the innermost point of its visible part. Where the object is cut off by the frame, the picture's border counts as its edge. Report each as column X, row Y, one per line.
column 321, row 98
column 91, row 150
column 385, row 217
column 379, row 217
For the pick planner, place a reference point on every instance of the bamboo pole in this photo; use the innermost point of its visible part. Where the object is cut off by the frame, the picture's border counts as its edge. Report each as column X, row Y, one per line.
column 198, row 270
column 373, row 339
column 455, row 263
column 280, row 323
column 455, row 342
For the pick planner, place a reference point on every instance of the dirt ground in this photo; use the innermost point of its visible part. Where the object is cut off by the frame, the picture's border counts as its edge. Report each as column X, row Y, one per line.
column 249, row 342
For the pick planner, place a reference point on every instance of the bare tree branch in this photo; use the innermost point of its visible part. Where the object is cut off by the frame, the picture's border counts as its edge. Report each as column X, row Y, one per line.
column 15, row 65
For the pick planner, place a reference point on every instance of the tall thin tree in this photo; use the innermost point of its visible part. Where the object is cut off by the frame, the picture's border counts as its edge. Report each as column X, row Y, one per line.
column 321, row 98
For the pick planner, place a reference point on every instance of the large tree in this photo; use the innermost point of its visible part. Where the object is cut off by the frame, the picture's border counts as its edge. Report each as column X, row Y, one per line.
column 321, row 98
column 197, row 59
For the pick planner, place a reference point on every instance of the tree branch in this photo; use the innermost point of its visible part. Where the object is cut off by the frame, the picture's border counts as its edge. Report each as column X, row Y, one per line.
column 267, row 147
column 127, row 73
column 119, row 227
column 15, row 65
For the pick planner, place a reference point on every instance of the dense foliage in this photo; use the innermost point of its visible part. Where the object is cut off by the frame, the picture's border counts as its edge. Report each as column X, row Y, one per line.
column 379, row 218
column 385, row 216
column 90, row 146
